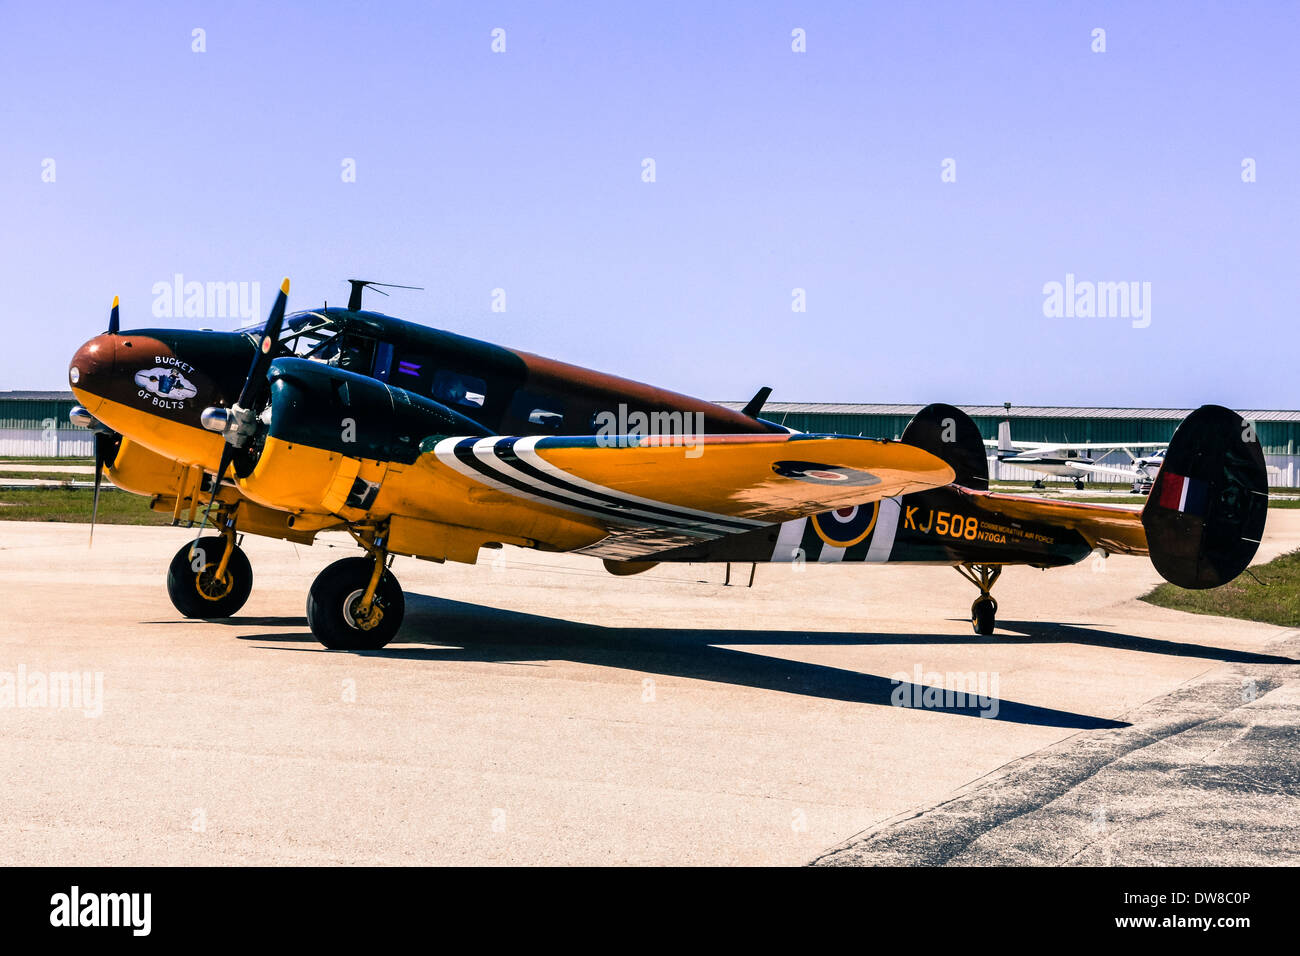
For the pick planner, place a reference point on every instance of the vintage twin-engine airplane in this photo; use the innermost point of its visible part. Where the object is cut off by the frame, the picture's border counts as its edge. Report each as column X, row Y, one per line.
column 426, row 443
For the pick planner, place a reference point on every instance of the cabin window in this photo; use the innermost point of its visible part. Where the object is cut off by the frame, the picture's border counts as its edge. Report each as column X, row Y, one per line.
column 455, row 388
column 540, row 412
column 383, row 360
column 412, row 372
column 418, row 373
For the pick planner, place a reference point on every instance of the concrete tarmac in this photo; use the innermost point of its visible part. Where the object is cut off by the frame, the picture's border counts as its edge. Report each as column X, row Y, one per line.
column 538, row 710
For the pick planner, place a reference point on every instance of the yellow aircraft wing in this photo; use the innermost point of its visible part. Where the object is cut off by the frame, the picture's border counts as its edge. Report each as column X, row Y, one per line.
column 647, row 495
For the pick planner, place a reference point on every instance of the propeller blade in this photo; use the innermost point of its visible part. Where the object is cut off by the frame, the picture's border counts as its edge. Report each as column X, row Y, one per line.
column 256, row 381
column 113, row 323
column 227, row 456
column 102, row 441
column 255, row 386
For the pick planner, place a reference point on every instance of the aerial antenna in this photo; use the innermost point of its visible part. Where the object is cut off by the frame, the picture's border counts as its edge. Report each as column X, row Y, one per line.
column 757, row 402
column 359, row 285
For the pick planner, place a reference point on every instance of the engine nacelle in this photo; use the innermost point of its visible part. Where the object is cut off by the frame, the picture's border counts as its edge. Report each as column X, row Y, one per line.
column 332, row 434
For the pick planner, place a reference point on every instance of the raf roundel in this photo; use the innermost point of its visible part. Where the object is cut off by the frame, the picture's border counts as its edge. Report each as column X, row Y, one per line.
column 845, row 527
column 820, row 474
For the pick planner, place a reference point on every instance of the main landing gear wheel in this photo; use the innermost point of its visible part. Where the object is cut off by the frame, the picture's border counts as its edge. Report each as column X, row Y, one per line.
column 1078, row 484
column 334, row 606
column 198, row 586
column 983, row 614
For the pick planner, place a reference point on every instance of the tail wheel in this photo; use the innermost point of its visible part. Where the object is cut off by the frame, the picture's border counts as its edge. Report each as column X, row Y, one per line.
column 334, row 607
column 195, row 587
column 983, row 614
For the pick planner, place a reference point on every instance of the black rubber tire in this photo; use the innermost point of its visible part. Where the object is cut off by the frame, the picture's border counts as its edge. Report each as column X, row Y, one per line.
column 187, row 574
column 327, row 613
column 983, row 615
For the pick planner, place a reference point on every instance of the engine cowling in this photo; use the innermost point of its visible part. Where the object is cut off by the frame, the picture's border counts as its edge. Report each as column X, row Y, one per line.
column 332, row 434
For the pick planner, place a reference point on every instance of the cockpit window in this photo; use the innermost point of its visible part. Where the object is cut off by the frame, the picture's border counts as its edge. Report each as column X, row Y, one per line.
column 355, row 353
column 316, row 336
column 303, row 333
column 307, row 333
column 321, row 350
column 321, row 337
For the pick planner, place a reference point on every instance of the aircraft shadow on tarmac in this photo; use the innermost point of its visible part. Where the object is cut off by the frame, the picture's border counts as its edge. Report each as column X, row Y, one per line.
column 457, row 631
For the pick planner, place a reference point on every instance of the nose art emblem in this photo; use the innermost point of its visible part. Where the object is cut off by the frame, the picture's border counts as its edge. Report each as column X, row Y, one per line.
column 165, row 382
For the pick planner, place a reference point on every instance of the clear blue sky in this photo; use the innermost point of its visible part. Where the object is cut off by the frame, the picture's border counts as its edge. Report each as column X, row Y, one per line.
column 775, row 170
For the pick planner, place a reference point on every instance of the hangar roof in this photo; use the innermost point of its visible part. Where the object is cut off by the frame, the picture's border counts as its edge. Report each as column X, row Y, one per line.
column 32, row 396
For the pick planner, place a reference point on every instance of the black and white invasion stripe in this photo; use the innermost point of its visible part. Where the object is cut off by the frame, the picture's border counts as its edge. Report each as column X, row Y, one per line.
column 513, row 465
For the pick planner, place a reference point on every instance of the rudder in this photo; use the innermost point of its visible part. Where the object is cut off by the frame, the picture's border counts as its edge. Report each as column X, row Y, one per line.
column 1206, row 511
column 949, row 433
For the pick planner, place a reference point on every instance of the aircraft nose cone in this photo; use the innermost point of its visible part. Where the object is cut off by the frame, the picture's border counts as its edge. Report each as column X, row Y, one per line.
column 92, row 369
